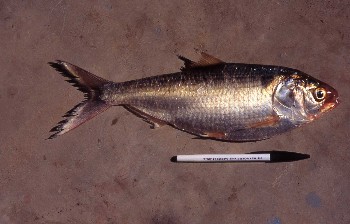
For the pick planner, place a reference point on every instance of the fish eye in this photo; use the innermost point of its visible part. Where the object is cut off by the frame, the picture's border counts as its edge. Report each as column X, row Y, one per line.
column 320, row 94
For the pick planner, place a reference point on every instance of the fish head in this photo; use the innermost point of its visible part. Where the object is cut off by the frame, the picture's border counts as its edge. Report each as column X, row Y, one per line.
column 319, row 97
column 302, row 98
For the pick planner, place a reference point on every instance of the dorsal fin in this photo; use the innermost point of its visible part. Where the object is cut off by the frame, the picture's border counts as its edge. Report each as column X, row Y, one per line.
column 204, row 61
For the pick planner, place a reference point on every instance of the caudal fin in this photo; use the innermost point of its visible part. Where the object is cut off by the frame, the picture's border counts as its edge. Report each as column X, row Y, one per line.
column 90, row 85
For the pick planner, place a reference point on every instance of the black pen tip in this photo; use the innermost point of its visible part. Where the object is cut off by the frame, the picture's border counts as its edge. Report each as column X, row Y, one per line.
column 282, row 156
column 173, row 159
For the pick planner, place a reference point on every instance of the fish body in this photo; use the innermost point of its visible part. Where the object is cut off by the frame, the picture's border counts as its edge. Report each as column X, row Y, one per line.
column 209, row 98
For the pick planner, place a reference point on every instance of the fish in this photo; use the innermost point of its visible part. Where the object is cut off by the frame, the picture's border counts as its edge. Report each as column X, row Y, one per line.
column 208, row 98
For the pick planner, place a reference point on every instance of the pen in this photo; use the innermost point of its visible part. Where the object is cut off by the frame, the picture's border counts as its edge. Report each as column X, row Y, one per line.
column 261, row 156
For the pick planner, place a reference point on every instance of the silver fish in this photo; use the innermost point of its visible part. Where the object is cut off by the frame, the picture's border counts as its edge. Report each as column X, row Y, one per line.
column 209, row 98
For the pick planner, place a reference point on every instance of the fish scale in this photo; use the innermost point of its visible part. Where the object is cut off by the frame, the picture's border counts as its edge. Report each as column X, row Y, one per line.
column 226, row 103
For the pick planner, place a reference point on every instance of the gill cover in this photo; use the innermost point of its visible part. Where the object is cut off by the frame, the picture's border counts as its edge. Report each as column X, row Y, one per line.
column 289, row 100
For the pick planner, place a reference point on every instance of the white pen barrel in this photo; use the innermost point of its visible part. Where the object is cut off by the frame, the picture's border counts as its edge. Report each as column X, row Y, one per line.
column 214, row 158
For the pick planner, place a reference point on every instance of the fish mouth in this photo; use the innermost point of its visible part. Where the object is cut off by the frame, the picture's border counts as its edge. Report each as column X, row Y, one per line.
column 328, row 106
column 331, row 101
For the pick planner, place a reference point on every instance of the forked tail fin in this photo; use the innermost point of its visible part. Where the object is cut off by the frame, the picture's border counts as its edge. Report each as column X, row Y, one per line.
column 91, row 86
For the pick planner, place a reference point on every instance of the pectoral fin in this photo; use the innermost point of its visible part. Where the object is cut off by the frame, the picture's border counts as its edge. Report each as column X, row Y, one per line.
column 268, row 122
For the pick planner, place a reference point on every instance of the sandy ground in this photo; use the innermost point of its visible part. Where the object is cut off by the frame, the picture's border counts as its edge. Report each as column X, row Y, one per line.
column 114, row 169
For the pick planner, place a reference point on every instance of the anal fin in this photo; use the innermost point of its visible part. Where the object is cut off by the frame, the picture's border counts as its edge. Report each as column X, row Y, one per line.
column 155, row 122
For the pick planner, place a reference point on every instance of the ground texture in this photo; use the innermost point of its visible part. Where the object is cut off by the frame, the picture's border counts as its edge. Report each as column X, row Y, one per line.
column 114, row 169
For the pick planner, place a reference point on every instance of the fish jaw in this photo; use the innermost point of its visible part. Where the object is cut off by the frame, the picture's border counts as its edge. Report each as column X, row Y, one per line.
column 331, row 101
